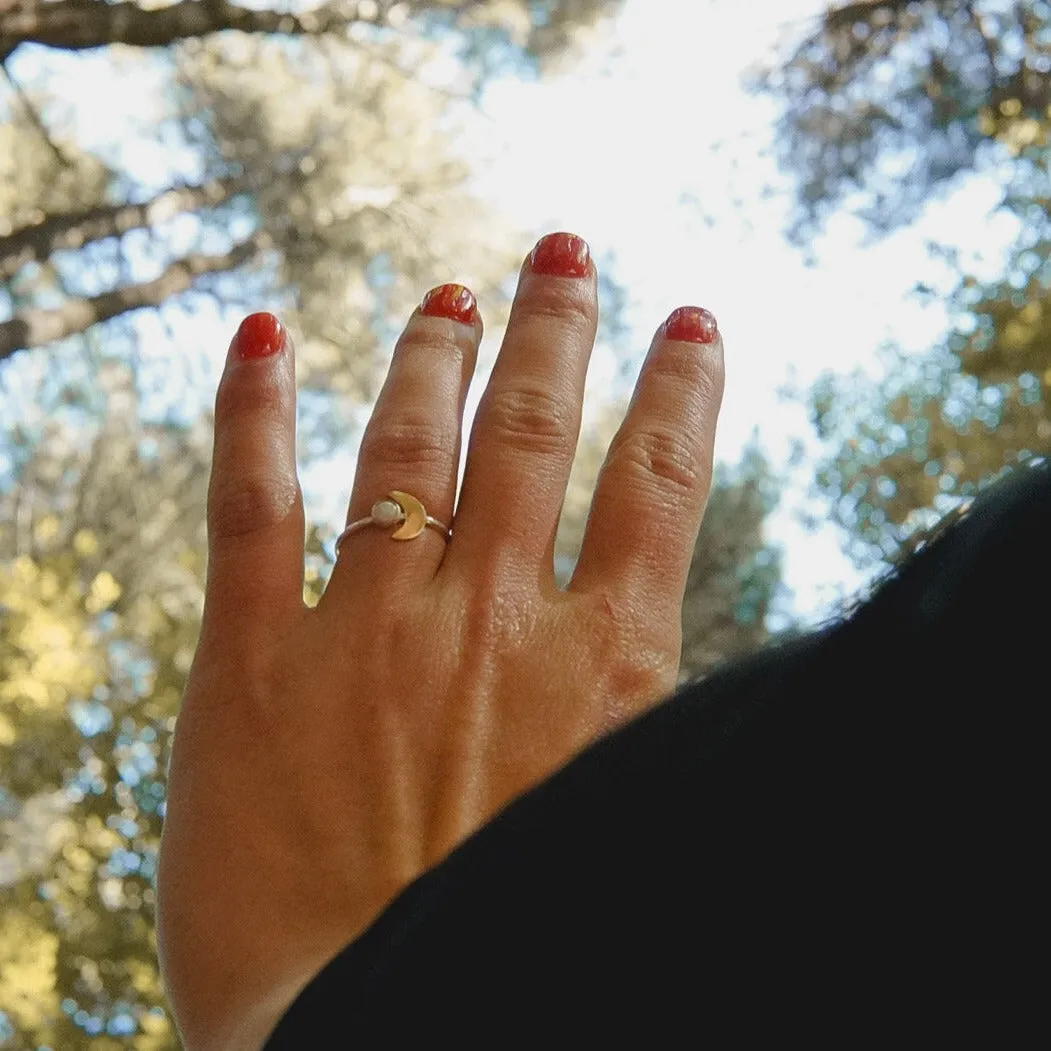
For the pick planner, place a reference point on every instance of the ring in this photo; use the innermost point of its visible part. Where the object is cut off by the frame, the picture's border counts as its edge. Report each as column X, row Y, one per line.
column 400, row 509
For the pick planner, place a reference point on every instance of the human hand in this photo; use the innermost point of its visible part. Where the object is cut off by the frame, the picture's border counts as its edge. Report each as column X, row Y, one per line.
column 324, row 758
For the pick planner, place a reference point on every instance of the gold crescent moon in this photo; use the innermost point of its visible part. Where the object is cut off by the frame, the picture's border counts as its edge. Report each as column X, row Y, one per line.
column 415, row 516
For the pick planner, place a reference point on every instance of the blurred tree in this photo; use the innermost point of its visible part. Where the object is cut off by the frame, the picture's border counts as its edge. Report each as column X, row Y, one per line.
column 735, row 574
column 309, row 154
column 888, row 103
column 912, row 447
column 100, row 585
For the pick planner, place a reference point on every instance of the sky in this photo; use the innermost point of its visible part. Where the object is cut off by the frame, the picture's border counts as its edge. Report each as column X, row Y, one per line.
column 616, row 149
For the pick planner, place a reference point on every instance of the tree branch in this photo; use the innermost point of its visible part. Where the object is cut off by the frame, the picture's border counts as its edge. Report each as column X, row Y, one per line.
column 78, row 24
column 861, row 11
column 34, row 327
column 34, row 118
column 76, row 229
column 987, row 43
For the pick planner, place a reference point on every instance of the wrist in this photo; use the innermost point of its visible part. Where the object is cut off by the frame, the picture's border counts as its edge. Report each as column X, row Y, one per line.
column 245, row 1027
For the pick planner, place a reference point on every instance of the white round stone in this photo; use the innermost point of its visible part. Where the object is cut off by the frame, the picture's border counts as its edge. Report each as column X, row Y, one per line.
column 386, row 513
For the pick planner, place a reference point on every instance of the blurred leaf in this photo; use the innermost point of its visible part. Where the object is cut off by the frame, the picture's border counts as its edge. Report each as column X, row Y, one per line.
column 885, row 104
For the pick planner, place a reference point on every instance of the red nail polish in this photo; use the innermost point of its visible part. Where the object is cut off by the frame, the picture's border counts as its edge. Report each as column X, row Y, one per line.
column 561, row 255
column 452, row 301
column 259, row 336
column 691, row 325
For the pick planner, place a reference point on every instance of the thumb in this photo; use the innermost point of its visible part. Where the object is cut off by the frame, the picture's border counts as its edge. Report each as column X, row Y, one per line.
column 255, row 506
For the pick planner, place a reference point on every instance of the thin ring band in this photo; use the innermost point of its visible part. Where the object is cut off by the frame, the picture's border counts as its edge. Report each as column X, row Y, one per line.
column 399, row 509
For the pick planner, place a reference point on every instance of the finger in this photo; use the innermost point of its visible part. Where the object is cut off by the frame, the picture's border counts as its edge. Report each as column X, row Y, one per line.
column 255, row 507
column 525, row 431
column 653, row 487
column 412, row 442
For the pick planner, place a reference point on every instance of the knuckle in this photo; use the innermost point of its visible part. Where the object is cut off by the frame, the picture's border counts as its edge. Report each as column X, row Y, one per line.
column 249, row 504
column 431, row 336
column 556, row 304
column 645, row 678
column 697, row 375
column 239, row 396
column 531, row 419
column 639, row 657
column 408, row 441
column 658, row 459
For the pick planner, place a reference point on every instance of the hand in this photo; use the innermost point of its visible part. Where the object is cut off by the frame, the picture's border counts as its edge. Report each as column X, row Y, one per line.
column 324, row 758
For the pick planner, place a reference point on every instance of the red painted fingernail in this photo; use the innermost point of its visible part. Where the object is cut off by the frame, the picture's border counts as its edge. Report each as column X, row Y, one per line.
column 259, row 336
column 691, row 325
column 452, row 301
column 561, row 255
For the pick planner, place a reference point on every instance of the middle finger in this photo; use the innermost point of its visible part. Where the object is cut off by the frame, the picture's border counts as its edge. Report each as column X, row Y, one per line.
column 412, row 443
column 525, row 432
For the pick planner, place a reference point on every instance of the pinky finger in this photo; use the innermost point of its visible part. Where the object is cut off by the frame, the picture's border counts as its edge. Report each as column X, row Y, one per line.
column 654, row 485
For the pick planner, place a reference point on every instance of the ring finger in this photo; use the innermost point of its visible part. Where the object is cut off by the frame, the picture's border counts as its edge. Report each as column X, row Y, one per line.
column 412, row 442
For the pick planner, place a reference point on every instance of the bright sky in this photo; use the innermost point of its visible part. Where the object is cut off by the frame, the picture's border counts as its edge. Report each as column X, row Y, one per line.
column 609, row 151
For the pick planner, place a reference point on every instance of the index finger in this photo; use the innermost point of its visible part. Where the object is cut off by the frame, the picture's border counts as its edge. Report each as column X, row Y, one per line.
column 654, row 486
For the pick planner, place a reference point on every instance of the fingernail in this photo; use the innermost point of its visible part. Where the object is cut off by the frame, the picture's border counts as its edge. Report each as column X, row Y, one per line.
column 691, row 325
column 561, row 255
column 455, row 302
column 259, row 336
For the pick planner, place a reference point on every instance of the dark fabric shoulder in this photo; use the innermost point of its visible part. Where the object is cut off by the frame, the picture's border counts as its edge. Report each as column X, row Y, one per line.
column 834, row 836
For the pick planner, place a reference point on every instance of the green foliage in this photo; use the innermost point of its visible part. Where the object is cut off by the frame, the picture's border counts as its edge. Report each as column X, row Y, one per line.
column 885, row 103
column 735, row 574
column 939, row 427
column 97, row 637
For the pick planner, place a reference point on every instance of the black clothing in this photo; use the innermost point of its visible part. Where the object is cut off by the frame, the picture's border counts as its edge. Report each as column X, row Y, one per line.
column 833, row 840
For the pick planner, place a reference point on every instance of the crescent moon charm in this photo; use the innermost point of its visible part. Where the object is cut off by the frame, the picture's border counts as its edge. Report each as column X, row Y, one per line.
column 415, row 516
